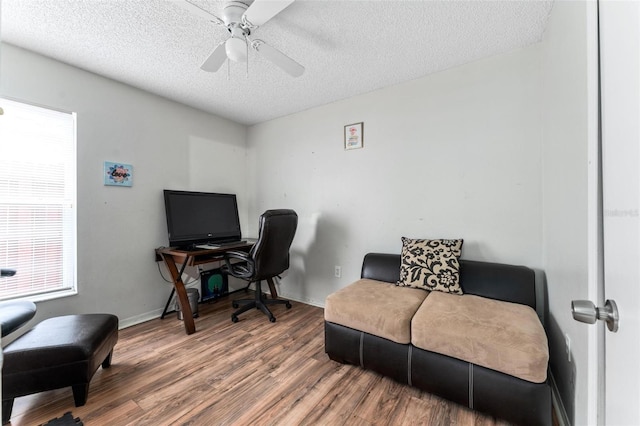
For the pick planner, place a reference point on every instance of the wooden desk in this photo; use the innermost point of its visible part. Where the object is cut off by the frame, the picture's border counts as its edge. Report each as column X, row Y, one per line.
column 173, row 256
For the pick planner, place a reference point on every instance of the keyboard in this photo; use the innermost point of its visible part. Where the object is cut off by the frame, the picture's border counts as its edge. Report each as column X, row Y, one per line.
column 207, row 246
column 218, row 245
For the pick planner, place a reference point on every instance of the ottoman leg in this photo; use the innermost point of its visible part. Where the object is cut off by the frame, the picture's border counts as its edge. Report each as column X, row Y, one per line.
column 7, row 406
column 107, row 361
column 80, row 393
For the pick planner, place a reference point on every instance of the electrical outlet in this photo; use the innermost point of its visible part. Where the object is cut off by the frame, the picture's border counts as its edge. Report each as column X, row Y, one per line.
column 338, row 271
column 567, row 346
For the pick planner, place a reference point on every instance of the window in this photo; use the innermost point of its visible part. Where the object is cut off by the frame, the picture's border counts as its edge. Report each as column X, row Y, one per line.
column 37, row 201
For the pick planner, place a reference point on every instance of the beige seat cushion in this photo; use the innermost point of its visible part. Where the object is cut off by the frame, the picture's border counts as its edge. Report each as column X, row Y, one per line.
column 375, row 307
column 503, row 336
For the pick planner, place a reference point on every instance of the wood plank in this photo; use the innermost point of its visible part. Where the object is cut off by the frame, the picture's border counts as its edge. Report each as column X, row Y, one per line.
column 250, row 372
column 339, row 403
column 379, row 404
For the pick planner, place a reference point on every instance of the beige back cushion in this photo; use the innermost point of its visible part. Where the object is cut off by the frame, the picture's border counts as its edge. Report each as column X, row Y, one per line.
column 502, row 336
column 375, row 307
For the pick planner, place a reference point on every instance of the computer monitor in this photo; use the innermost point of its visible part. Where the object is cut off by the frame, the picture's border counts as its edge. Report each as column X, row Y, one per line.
column 201, row 218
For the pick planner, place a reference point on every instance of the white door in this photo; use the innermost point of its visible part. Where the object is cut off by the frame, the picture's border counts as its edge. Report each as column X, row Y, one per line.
column 620, row 68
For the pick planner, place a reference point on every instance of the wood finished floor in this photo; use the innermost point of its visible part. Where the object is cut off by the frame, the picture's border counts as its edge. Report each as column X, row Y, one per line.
column 251, row 372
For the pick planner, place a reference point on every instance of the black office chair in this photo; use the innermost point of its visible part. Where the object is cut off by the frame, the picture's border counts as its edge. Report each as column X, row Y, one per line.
column 268, row 258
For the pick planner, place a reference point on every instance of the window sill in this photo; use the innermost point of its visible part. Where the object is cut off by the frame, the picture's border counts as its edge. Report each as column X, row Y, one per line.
column 46, row 296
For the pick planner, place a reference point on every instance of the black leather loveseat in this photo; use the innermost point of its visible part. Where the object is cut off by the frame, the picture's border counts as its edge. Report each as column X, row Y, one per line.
column 484, row 389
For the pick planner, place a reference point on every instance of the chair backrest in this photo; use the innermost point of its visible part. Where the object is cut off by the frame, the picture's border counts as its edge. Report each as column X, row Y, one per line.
column 271, row 252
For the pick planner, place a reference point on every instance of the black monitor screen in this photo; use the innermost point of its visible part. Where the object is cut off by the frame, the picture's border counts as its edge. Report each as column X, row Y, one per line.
column 201, row 217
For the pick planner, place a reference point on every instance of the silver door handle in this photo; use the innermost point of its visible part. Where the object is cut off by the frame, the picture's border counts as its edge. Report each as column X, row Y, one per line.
column 586, row 311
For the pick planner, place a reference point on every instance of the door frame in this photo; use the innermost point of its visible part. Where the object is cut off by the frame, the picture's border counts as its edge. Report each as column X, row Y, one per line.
column 595, row 251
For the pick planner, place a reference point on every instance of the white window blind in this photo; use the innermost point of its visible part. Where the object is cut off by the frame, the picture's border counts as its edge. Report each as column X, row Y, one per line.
column 37, row 200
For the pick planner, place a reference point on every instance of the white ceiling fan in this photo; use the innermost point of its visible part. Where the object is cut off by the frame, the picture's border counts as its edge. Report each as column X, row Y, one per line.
column 241, row 17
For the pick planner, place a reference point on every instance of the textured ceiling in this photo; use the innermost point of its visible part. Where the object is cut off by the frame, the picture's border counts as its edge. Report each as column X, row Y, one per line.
column 347, row 47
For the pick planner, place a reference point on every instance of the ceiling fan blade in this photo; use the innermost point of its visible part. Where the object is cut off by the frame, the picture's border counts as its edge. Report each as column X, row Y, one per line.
column 287, row 64
column 215, row 60
column 261, row 11
column 197, row 11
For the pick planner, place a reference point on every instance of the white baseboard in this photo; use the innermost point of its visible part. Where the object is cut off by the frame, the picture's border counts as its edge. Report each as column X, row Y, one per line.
column 148, row 316
column 139, row 319
column 305, row 300
column 558, row 406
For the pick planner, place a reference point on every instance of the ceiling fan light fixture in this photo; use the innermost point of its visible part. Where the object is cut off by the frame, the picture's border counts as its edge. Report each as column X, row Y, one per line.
column 241, row 18
column 236, row 49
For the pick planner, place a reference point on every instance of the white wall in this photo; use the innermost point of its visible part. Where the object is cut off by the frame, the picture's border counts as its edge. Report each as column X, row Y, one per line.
column 567, row 197
column 455, row 154
column 493, row 152
column 169, row 145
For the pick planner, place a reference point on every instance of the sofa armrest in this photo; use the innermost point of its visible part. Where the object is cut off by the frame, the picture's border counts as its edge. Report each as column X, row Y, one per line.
column 381, row 267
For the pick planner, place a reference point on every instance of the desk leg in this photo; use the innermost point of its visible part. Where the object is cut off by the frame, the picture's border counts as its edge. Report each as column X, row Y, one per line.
column 187, row 315
column 272, row 288
column 166, row 307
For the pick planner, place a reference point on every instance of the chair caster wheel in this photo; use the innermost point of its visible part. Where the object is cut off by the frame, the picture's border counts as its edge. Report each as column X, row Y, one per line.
column 234, row 305
column 234, row 318
column 288, row 305
column 272, row 319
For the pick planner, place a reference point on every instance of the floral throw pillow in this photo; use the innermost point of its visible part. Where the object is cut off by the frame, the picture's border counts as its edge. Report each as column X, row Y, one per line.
column 431, row 265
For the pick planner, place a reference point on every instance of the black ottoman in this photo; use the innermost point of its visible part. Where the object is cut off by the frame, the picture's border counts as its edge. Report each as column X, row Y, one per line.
column 56, row 353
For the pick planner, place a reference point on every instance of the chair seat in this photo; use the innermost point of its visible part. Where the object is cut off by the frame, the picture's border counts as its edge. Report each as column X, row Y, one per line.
column 503, row 336
column 375, row 307
column 62, row 340
column 56, row 353
column 14, row 314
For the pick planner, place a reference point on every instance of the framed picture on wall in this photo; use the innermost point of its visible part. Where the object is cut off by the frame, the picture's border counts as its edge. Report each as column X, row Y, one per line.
column 118, row 174
column 353, row 136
